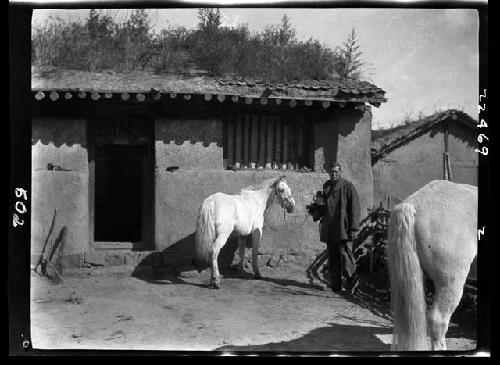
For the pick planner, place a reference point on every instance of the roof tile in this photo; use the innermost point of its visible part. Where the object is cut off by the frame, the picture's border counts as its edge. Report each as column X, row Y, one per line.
column 384, row 141
column 142, row 82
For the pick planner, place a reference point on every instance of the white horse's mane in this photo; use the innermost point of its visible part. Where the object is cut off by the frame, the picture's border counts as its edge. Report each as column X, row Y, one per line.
column 264, row 184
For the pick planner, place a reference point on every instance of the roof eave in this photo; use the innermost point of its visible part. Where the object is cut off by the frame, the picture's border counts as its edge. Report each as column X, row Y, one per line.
column 375, row 101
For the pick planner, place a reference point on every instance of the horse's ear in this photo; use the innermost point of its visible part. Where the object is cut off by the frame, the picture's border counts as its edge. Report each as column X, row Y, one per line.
column 278, row 180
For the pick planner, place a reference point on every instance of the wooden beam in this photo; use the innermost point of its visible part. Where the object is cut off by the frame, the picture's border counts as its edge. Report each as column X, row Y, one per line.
column 54, row 96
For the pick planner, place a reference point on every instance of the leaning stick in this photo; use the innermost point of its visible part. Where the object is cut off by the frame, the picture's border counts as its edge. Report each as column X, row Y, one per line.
column 46, row 240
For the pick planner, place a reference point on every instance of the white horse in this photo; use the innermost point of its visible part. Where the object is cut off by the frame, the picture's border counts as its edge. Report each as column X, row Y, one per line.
column 433, row 231
column 222, row 216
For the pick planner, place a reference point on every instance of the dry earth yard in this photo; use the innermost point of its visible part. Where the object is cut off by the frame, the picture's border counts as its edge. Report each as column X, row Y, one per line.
column 283, row 312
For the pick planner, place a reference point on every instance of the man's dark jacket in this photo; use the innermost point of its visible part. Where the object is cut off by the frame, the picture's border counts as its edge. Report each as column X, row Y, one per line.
column 343, row 212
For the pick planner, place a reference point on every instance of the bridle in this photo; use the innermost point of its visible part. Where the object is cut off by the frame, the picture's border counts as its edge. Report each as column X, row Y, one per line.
column 283, row 200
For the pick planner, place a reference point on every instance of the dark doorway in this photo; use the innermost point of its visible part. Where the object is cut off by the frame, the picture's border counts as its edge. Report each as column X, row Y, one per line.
column 119, row 178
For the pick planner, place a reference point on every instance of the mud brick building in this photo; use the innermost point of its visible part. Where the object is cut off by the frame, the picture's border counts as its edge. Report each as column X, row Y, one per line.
column 127, row 159
column 440, row 146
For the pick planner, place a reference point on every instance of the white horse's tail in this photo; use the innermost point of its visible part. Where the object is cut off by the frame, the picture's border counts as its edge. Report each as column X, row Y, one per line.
column 407, row 284
column 205, row 232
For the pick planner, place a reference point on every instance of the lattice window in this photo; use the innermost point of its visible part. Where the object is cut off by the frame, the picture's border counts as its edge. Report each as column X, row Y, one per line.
column 264, row 141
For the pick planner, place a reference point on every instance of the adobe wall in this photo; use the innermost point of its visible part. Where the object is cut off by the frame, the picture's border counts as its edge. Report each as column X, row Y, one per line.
column 188, row 143
column 61, row 142
column 464, row 160
column 181, row 193
column 344, row 137
column 409, row 167
column 195, row 146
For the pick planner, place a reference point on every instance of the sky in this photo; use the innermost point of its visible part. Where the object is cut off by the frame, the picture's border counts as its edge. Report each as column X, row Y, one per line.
column 426, row 60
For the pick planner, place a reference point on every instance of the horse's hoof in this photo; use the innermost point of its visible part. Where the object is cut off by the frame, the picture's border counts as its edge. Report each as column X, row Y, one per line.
column 216, row 285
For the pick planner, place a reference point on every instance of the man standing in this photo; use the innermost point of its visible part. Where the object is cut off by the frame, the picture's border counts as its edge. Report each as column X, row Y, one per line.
column 340, row 226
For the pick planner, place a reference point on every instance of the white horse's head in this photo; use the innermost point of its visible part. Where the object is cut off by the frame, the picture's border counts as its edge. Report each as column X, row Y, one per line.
column 284, row 194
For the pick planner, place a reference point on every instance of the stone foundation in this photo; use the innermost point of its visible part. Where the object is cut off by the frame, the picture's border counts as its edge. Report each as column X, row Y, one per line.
column 174, row 261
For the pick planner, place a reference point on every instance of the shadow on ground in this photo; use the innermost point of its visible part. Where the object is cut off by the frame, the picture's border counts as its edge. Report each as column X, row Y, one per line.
column 233, row 273
column 335, row 337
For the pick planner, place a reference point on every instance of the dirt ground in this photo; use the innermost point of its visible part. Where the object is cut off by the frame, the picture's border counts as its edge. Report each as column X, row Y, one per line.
column 283, row 312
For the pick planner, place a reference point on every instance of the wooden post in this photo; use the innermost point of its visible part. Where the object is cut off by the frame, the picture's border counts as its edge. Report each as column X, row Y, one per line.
column 278, row 155
column 446, row 160
column 230, row 139
column 285, row 126
column 292, row 144
column 246, row 139
column 450, row 172
column 269, row 142
column 254, row 140
column 300, row 144
column 225, row 149
column 238, row 140
column 262, row 141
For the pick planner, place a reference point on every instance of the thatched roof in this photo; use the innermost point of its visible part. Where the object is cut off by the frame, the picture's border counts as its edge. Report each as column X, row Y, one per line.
column 386, row 140
column 339, row 90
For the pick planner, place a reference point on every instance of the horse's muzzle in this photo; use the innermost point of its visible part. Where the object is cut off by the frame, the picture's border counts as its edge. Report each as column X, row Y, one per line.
column 289, row 205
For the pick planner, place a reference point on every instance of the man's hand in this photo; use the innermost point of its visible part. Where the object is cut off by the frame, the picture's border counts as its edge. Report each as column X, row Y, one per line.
column 352, row 235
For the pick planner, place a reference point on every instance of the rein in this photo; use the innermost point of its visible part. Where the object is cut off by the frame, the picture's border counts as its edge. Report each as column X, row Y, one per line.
column 268, row 205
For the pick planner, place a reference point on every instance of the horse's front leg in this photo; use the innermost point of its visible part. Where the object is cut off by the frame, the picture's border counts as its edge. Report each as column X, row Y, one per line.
column 241, row 251
column 255, row 252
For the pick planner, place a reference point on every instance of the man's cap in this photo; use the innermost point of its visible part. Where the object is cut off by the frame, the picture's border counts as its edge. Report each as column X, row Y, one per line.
column 330, row 165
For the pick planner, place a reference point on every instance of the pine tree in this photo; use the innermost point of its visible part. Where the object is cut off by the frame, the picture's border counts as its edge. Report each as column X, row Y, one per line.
column 348, row 62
